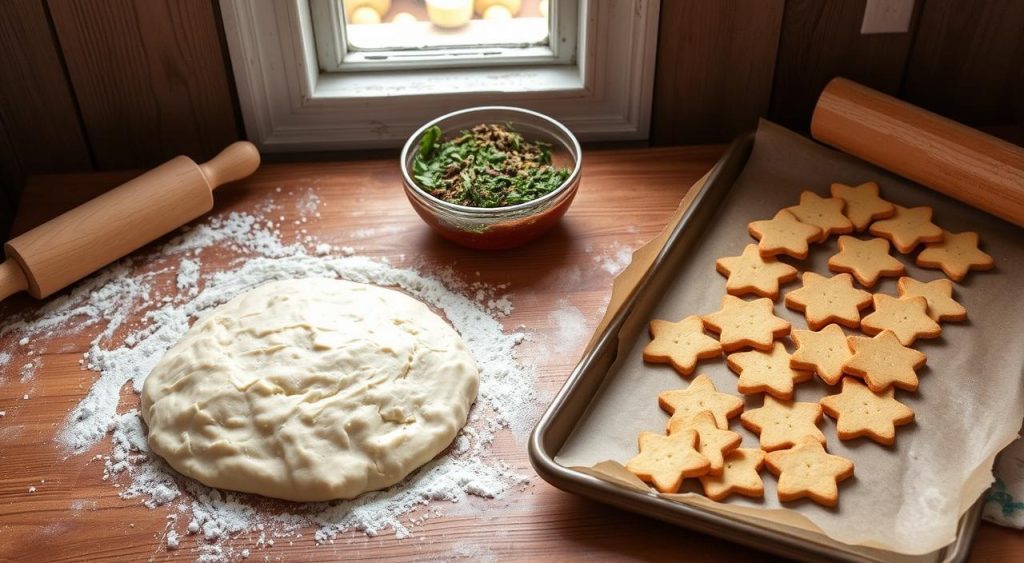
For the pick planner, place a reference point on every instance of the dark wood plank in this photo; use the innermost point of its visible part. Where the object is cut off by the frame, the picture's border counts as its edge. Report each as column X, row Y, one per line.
column 150, row 76
column 713, row 77
column 820, row 40
column 41, row 131
column 10, row 181
column 967, row 61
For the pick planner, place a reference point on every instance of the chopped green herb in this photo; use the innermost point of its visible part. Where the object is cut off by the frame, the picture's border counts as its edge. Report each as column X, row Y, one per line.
column 488, row 166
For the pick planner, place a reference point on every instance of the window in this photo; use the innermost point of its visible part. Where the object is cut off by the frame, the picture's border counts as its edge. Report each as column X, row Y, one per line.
column 313, row 76
column 359, row 35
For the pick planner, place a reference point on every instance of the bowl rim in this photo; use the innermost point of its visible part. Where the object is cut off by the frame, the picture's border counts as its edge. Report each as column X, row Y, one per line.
column 486, row 211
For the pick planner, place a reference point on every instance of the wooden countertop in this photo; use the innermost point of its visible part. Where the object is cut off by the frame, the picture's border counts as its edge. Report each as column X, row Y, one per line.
column 625, row 199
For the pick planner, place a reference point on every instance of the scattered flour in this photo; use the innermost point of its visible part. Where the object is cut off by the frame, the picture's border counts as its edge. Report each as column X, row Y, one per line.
column 5, row 358
column 171, row 539
column 188, row 275
column 571, row 327
column 104, row 305
column 617, row 261
column 308, row 204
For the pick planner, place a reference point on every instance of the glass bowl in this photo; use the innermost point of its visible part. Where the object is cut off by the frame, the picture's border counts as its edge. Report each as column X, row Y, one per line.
column 497, row 227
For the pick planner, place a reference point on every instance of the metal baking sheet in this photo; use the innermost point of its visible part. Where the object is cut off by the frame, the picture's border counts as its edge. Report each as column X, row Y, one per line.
column 716, row 220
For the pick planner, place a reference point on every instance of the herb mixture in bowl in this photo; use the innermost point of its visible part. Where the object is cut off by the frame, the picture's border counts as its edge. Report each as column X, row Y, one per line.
column 489, row 166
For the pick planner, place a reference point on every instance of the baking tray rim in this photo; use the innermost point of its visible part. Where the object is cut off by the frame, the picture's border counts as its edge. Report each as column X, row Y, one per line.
column 734, row 529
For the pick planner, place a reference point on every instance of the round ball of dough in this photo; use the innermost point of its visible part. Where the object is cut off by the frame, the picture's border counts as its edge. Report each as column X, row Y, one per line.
column 365, row 15
column 310, row 390
column 404, row 18
column 449, row 14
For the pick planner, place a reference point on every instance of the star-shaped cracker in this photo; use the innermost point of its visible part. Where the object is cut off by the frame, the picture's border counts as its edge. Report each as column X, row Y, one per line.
column 712, row 442
column 701, row 395
column 664, row 461
column 740, row 476
column 742, row 323
column 826, row 213
column 863, row 204
column 807, row 470
column 681, row 344
column 766, row 372
column 783, row 234
column 828, row 300
column 955, row 254
column 883, row 362
column 824, row 352
column 938, row 294
column 859, row 411
column 906, row 316
column 908, row 228
column 867, row 260
column 782, row 423
column 751, row 273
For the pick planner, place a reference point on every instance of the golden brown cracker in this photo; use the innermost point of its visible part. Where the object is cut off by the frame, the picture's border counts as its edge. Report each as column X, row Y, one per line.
column 681, row 344
column 867, row 260
column 664, row 461
column 863, row 205
column 905, row 316
column 781, row 423
column 752, row 273
column 766, row 372
column 956, row 254
column 701, row 395
column 741, row 475
column 824, row 352
column 938, row 294
column 807, row 471
column 882, row 361
column 742, row 323
column 826, row 213
column 828, row 300
column 783, row 234
column 859, row 411
column 907, row 228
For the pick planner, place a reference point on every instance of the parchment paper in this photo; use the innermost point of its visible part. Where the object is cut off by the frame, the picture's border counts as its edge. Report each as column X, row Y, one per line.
column 906, row 498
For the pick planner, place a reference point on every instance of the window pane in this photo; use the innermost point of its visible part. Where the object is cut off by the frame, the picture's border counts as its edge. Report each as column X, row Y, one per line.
column 383, row 25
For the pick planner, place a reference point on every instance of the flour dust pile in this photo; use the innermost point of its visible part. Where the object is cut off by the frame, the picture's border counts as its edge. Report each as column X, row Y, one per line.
column 136, row 309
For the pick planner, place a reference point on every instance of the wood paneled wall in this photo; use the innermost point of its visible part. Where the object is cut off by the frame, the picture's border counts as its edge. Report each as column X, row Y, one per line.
column 150, row 78
column 744, row 59
column 105, row 84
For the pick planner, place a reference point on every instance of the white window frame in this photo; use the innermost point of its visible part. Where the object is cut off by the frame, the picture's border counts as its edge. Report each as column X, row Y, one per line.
column 288, row 104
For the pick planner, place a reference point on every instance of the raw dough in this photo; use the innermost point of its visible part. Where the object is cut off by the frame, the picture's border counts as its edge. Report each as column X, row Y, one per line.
column 310, row 390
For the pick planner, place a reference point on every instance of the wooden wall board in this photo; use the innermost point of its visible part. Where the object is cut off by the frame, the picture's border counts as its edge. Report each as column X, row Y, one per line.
column 10, row 178
column 41, row 128
column 714, row 71
column 820, row 40
column 150, row 76
column 967, row 62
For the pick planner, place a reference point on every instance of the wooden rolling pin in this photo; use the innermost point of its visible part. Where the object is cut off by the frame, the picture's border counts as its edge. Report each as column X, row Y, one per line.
column 94, row 234
column 931, row 150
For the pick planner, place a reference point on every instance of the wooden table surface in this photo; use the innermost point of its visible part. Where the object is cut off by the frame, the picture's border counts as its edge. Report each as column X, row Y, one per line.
column 625, row 199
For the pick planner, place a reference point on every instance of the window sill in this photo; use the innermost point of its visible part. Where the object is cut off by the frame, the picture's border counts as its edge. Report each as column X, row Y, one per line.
column 390, row 84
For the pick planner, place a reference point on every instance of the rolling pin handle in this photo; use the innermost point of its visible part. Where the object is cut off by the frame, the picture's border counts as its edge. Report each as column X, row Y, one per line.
column 237, row 161
column 12, row 279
